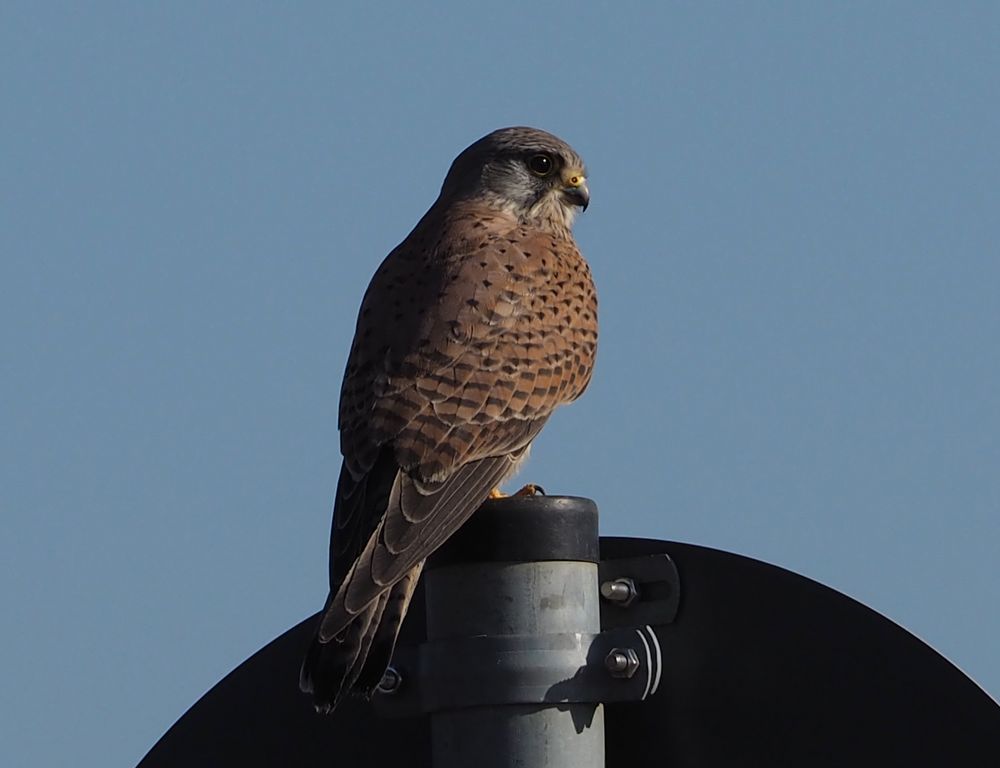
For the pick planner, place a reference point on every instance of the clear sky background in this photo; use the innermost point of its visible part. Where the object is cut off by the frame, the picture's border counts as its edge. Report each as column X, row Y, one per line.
column 795, row 232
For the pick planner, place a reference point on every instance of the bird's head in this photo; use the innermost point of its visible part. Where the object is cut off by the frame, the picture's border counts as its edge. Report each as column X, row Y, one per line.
column 525, row 172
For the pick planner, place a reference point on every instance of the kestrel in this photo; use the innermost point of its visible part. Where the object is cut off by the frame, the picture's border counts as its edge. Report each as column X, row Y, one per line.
column 472, row 331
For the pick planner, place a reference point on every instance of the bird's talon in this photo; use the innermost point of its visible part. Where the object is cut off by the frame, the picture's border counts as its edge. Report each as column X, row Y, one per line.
column 531, row 489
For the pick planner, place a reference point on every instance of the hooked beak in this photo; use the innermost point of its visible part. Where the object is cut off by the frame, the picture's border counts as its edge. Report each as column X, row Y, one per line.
column 575, row 189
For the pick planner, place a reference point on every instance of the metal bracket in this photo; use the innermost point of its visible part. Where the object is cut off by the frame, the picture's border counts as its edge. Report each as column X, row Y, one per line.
column 615, row 665
column 621, row 663
column 639, row 591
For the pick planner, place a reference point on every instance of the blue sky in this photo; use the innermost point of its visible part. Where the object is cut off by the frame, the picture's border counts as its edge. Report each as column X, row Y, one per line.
column 794, row 233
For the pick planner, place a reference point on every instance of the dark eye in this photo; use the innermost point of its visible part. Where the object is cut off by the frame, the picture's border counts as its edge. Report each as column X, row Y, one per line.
column 541, row 165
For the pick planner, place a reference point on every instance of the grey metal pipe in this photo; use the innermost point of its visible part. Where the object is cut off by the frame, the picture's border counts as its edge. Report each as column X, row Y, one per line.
column 469, row 600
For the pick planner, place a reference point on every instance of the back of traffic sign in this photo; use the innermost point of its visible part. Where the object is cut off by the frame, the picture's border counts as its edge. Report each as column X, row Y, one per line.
column 759, row 666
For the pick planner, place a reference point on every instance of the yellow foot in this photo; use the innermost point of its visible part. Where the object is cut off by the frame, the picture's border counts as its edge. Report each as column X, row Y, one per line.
column 531, row 489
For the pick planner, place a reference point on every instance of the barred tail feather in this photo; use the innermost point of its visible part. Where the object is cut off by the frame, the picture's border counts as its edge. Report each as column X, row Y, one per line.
column 355, row 660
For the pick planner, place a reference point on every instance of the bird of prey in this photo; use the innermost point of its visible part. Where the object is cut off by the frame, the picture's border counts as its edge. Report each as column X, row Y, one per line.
column 472, row 331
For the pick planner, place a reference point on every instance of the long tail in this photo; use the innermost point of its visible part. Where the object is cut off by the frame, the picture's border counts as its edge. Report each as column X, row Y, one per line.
column 356, row 658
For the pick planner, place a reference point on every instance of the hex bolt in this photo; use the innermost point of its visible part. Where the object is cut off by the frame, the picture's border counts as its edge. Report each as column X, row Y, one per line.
column 622, row 591
column 622, row 662
column 390, row 682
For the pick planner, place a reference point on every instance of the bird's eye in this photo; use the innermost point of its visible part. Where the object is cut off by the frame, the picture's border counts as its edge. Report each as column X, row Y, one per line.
column 541, row 165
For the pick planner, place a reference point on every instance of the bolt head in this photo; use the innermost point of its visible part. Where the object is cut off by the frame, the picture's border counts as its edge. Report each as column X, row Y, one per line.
column 622, row 662
column 622, row 591
column 391, row 681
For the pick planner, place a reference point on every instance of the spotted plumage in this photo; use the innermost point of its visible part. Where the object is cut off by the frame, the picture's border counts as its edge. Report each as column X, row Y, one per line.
column 472, row 331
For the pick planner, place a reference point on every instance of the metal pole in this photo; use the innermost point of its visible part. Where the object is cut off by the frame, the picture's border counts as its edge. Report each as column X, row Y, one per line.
column 502, row 596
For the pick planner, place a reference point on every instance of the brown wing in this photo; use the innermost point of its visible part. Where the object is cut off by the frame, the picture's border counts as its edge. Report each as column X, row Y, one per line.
column 471, row 333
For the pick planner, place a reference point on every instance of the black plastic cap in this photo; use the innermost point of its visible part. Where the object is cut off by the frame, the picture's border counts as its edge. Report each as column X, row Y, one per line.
column 523, row 529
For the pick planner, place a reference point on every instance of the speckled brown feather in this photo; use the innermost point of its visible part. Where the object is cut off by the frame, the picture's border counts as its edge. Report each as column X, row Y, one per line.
column 471, row 333
column 473, row 324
